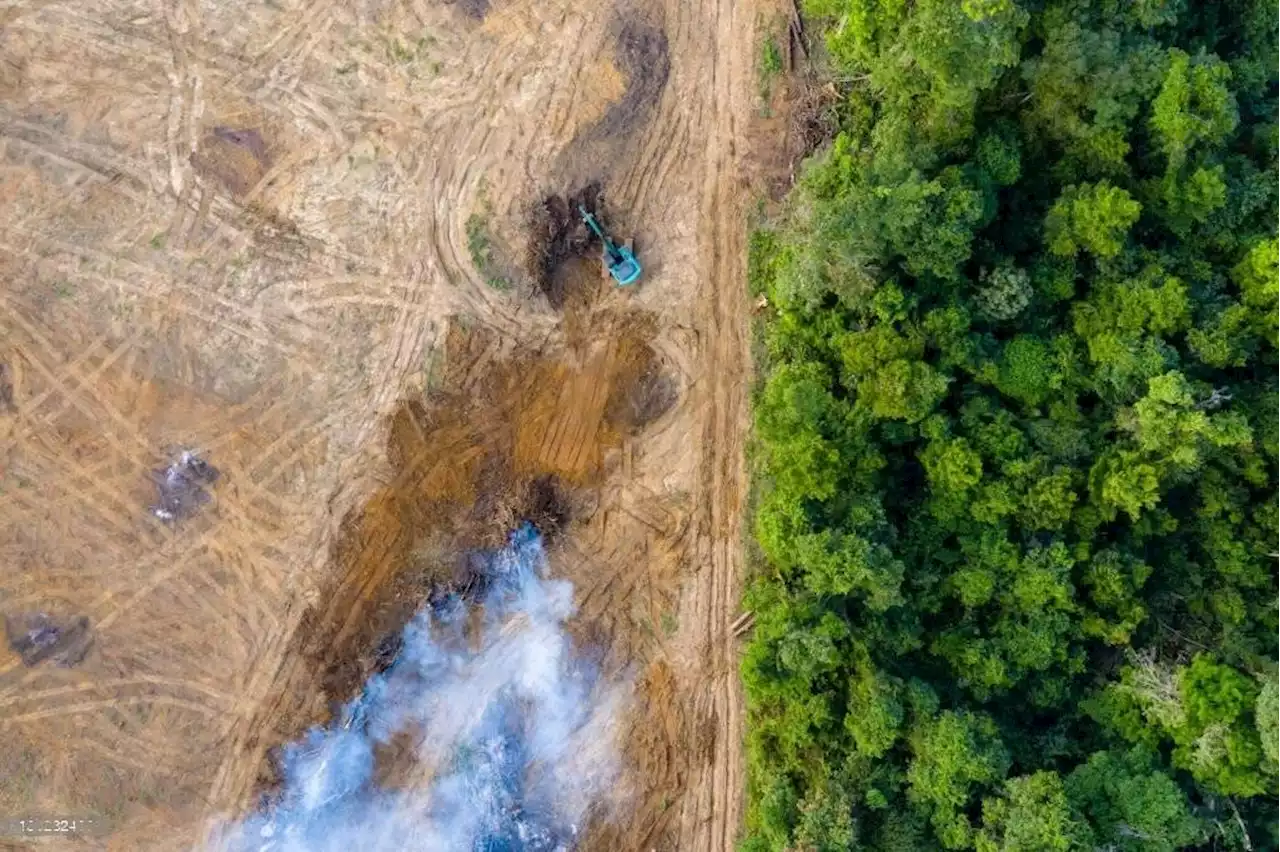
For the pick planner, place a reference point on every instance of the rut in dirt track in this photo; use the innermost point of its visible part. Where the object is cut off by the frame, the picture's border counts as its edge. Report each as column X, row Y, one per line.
column 713, row 809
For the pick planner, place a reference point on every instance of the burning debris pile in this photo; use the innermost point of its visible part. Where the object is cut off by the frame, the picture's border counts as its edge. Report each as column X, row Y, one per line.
column 183, row 487
column 37, row 637
column 510, row 732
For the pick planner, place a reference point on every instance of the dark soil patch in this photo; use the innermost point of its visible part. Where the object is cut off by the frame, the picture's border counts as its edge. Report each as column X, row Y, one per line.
column 557, row 234
column 644, row 396
column 7, row 405
column 250, row 140
column 474, row 9
column 545, row 505
column 37, row 637
column 642, row 55
column 236, row 158
column 576, row 284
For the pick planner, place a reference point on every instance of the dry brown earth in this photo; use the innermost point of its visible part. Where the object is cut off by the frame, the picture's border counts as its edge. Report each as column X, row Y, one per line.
column 244, row 228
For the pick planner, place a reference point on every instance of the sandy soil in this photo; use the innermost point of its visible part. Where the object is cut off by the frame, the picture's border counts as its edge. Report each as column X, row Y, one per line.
column 244, row 228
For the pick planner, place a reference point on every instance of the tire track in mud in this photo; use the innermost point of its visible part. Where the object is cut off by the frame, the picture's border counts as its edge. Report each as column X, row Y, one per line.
column 712, row 810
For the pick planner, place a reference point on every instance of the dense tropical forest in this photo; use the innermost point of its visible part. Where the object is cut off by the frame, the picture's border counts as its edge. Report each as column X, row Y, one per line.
column 1016, row 436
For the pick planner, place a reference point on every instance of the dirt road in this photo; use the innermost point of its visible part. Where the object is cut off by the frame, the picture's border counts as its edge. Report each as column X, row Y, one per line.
column 246, row 229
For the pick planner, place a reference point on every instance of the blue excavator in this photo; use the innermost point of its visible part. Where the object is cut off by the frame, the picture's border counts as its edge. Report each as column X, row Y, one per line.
column 618, row 259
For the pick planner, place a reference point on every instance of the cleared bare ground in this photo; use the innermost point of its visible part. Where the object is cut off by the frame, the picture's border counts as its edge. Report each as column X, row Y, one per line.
column 243, row 228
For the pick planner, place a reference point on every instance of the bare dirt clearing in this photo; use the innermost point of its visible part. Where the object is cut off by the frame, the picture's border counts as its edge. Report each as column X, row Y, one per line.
column 244, row 229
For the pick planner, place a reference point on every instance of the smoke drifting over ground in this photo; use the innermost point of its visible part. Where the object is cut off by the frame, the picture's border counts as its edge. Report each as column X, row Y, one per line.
column 513, row 736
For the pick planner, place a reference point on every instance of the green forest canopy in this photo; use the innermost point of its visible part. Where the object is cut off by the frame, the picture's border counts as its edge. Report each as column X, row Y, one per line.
column 1016, row 438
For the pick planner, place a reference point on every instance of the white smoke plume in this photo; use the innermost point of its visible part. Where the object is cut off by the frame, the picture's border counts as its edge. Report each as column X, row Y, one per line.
column 512, row 733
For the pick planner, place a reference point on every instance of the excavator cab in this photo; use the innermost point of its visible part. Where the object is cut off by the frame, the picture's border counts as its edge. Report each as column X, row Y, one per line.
column 620, row 260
